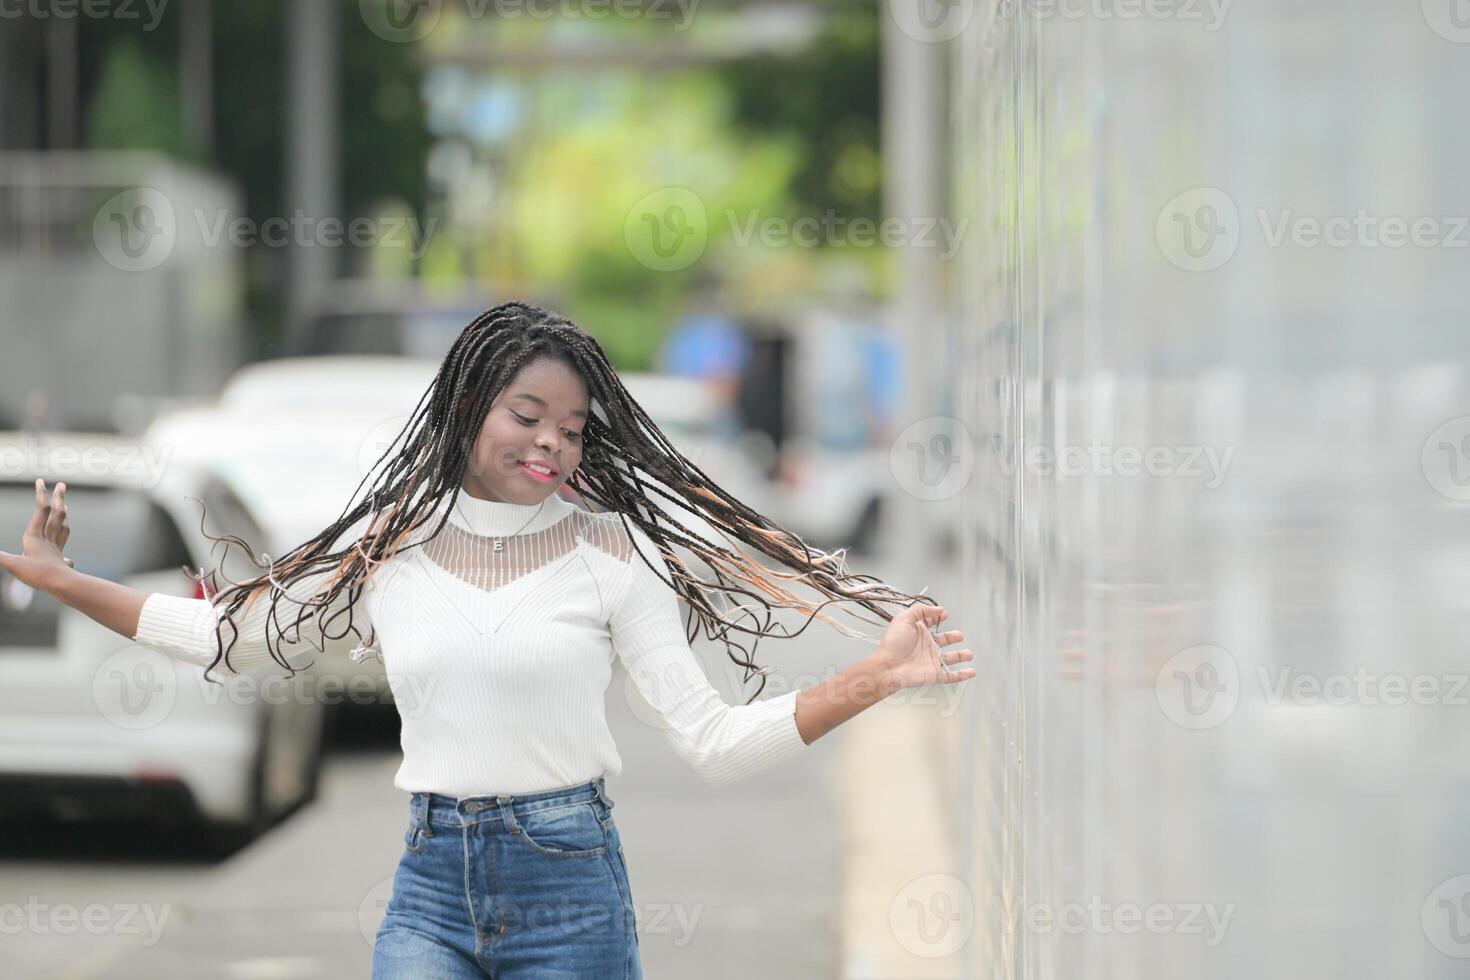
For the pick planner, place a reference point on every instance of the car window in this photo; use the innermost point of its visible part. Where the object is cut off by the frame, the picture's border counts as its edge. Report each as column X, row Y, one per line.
column 115, row 532
column 226, row 513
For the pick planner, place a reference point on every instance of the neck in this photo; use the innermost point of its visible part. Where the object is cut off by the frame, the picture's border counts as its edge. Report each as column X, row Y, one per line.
column 497, row 518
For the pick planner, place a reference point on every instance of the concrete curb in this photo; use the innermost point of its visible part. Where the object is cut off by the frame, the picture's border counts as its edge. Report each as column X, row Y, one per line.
column 894, row 812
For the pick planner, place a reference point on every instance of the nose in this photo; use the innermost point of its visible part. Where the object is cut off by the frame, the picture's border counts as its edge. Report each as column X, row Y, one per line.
column 548, row 442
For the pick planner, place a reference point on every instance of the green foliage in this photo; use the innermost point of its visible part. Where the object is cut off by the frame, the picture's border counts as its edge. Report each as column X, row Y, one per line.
column 136, row 106
column 385, row 137
column 560, row 224
column 775, row 136
column 828, row 101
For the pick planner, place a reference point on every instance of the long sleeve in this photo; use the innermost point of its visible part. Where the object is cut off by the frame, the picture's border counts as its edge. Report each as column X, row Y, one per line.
column 720, row 742
column 184, row 628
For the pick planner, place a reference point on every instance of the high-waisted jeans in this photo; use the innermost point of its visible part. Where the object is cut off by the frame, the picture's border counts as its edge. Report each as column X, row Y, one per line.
column 531, row 885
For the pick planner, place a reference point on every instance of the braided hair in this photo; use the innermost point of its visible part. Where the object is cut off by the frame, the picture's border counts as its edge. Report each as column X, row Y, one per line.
column 628, row 467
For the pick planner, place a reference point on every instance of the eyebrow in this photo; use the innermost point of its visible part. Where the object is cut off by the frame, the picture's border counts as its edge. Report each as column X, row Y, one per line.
column 539, row 401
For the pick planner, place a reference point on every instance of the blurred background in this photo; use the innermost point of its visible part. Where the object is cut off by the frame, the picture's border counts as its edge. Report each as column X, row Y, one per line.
column 1132, row 330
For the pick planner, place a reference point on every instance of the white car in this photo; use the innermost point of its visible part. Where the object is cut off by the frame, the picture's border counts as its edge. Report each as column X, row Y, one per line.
column 93, row 724
column 340, row 383
column 297, row 437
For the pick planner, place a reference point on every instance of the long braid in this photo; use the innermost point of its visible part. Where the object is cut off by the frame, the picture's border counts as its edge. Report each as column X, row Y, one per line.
column 628, row 466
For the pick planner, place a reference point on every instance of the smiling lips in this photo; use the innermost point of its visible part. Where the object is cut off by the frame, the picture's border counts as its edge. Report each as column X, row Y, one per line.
column 539, row 471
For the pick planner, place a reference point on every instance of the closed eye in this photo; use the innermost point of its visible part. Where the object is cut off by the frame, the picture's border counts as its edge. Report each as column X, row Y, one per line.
column 529, row 422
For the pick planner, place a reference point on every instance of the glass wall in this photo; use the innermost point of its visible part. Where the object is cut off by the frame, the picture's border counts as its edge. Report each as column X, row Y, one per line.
column 1212, row 362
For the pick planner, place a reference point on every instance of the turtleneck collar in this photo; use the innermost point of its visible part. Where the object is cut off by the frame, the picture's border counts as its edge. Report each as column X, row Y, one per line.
column 493, row 518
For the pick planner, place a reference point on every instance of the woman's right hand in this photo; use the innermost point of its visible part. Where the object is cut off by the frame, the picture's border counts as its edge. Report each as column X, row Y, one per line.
column 42, row 541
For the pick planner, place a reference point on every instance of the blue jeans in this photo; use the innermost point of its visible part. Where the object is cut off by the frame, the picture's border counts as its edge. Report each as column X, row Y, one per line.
column 532, row 885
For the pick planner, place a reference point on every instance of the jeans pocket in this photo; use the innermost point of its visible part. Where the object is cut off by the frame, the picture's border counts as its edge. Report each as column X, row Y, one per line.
column 565, row 831
column 414, row 839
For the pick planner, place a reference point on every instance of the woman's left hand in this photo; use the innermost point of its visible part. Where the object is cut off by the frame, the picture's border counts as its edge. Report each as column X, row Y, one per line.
column 909, row 655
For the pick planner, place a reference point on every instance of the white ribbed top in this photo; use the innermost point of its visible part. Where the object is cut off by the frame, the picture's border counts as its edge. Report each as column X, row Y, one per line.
column 499, row 661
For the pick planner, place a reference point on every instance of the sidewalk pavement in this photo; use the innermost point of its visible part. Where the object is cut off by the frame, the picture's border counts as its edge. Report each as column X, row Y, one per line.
column 895, row 803
column 899, row 778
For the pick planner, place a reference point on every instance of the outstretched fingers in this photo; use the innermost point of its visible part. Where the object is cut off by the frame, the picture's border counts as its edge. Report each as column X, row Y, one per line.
column 956, row 657
column 48, row 520
column 56, row 519
column 37, row 525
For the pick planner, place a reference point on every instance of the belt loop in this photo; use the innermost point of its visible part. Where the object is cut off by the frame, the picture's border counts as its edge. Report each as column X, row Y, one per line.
column 421, row 805
column 505, row 803
column 600, row 784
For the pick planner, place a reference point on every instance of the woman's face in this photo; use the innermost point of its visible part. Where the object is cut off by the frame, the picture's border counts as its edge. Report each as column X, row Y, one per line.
column 532, row 438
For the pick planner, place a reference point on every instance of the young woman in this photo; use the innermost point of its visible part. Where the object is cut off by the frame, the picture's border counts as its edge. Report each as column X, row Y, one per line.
column 499, row 606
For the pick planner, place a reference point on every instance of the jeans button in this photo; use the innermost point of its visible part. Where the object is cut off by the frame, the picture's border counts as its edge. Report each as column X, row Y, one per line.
column 473, row 807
